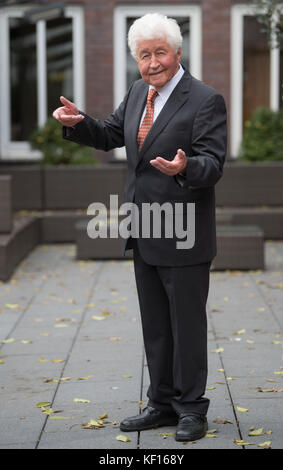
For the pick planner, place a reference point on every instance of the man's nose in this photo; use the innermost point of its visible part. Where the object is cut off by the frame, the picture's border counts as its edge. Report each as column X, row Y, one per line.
column 154, row 64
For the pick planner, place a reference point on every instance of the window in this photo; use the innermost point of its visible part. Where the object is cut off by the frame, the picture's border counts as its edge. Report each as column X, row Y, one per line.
column 256, row 71
column 40, row 62
column 125, row 67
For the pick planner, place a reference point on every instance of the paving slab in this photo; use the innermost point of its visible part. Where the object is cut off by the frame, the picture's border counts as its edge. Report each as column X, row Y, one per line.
column 71, row 329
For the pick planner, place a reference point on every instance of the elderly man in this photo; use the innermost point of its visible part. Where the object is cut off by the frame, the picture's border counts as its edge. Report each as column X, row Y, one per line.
column 174, row 130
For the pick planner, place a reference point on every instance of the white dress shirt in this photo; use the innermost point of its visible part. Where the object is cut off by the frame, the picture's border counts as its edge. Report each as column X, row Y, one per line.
column 164, row 93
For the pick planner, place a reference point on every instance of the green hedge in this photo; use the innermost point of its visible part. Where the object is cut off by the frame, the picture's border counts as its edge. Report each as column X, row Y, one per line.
column 263, row 136
column 56, row 150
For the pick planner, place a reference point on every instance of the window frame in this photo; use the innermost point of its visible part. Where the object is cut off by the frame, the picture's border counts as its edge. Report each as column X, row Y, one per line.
column 237, row 64
column 121, row 13
column 21, row 151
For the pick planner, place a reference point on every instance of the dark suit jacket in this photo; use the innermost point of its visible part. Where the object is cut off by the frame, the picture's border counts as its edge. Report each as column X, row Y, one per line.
column 193, row 119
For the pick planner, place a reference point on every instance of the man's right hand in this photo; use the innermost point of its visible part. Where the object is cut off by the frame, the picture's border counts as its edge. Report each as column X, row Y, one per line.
column 68, row 114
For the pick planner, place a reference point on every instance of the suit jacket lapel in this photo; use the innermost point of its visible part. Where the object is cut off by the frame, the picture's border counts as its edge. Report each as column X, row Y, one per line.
column 140, row 103
column 178, row 97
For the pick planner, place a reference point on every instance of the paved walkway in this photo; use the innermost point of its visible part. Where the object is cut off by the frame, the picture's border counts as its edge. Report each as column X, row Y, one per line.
column 71, row 337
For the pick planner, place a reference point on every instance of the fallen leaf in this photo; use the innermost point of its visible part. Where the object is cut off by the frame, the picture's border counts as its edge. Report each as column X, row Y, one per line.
column 277, row 342
column 43, row 404
column 127, row 376
column 9, row 340
column 217, row 350
column 123, row 438
column 210, row 388
column 41, row 359
column 261, row 309
column 104, row 416
column 94, row 317
column 114, row 338
column 61, row 417
column 93, row 424
column 222, row 421
column 242, row 410
column 239, row 442
column 56, row 361
column 256, row 432
column 26, row 341
column 84, row 378
column 81, row 400
column 12, row 306
column 265, row 445
column 240, row 332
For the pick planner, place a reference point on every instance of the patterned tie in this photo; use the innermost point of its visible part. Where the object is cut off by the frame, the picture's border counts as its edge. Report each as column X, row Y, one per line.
column 148, row 119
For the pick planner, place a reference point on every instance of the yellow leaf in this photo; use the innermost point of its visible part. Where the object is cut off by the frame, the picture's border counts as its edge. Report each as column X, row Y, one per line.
column 127, row 376
column 243, row 410
column 242, row 443
column 265, row 445
column 61, row 417
column 9, row 340
column 104, row 416
column 41, row 359
column 1, row 361
column 93, row 424
column 114, row 338
column 94, row 317
column 84, row 378
column 278, row 372
column 26, row 341
column 81, row 400
column 220, row 370
column 12, row 306
column 256, row 432
column 56, row 361
column 210, row 388
column 250, row 341
column 217, row 350
column 261, row 309
column 123, row 438
column 43, row 404
column 277, row 342
column 240, row 332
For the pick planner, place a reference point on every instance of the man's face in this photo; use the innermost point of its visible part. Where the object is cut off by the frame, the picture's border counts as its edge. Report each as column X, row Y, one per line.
column 157, row 61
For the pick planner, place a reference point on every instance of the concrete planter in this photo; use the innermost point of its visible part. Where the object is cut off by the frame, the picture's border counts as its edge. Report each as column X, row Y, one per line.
column 75, row 187
column 27, row 190
column 251, row 184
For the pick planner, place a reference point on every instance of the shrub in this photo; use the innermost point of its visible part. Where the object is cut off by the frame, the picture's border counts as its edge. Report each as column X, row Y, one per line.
column 56, row 150
column 263, row 136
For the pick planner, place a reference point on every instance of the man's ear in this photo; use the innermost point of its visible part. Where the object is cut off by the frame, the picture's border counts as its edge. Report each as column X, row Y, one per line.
column 179, row 54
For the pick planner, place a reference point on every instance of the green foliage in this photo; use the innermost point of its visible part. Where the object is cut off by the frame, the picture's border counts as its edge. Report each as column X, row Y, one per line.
column 263, row 136
column 268, row 14
column 56, row 150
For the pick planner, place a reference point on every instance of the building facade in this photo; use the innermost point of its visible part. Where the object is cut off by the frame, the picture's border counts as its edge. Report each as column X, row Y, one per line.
column 83, row 55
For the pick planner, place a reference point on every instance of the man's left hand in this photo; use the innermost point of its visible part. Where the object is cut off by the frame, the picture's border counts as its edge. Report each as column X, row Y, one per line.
column 171, row 168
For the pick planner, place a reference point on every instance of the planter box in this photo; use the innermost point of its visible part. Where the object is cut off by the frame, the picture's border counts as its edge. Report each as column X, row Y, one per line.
column 17, row 244
column 239, row 247
column 26, row 186
column 6, row 214
column 250, row 184
column 75, row 187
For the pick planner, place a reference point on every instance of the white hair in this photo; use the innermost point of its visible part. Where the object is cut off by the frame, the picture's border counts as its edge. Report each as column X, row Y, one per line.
column 152, row 26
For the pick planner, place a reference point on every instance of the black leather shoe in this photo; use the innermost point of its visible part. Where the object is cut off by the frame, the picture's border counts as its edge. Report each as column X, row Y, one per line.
column 148, row 419
column 191, row 427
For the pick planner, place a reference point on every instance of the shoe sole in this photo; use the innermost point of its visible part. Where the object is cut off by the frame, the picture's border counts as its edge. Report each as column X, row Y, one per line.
column 145, row 428
column 193, row 437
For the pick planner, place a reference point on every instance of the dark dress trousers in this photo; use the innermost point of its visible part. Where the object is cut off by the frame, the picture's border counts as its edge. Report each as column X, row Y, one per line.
column 172, row 283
